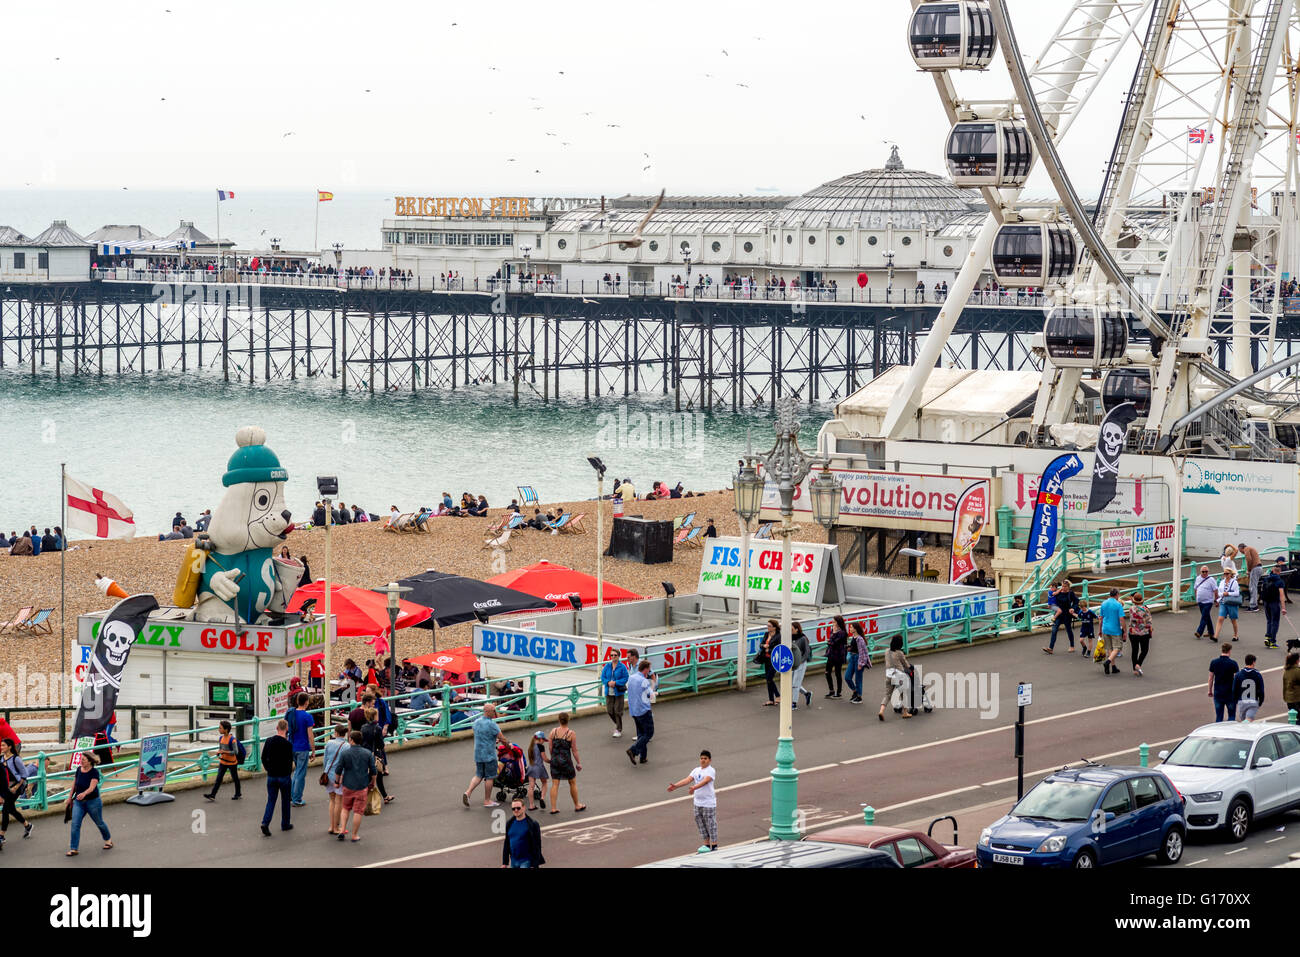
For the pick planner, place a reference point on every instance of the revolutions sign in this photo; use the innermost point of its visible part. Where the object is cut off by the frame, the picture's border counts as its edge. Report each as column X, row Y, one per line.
column 888, row 499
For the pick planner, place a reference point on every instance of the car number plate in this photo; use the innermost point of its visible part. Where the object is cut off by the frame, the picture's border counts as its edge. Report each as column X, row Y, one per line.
column 1008, row 859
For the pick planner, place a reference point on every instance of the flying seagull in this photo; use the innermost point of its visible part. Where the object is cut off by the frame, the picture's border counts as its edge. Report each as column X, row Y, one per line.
column 635, row 240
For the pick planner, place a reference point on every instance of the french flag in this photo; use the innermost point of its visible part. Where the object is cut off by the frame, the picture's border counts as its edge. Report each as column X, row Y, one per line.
column 224, row 194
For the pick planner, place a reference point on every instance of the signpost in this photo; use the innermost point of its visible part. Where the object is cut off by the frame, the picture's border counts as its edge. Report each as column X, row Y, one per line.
column 1024, row 696
column 152, row 773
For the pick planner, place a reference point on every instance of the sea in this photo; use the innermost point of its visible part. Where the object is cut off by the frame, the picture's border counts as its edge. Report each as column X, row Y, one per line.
column 160, row 442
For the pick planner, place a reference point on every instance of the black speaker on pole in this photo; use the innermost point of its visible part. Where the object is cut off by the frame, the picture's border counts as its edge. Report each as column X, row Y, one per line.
column 637, row 539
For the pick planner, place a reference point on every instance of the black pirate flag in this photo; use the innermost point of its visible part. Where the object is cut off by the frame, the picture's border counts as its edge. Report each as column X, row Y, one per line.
column 117, row 633
column 1110, row 445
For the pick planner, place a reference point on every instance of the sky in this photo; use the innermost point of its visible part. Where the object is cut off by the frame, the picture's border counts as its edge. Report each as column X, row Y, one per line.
column 573, row 98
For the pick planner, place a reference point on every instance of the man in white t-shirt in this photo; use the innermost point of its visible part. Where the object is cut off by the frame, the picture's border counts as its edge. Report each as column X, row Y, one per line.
column 700, row 781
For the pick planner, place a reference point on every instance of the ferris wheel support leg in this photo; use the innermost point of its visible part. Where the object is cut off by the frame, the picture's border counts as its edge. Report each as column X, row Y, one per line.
column 1060, row 406
column 1241, row 314
column 901, row 416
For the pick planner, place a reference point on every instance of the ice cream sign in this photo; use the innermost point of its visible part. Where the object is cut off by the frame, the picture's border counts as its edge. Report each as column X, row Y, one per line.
column 814, row 569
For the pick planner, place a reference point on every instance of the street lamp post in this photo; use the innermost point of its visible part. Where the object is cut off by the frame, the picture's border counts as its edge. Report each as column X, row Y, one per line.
column 748, row 485
column 327, row 486
column 786, row 466
column 527, row 251
column 599, row 466
column 394, row 592
column 889, row 263
column 686, row 257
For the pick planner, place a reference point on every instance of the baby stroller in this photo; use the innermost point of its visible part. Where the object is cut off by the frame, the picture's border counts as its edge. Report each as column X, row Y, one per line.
column 511, row 774
column 910, row 692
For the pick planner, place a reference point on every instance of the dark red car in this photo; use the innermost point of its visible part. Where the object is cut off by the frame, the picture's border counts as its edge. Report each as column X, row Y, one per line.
column 912, row 848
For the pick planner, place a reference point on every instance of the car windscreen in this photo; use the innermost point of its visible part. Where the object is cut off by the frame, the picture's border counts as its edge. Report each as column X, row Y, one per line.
column 1059, row 801
column 1198, row 752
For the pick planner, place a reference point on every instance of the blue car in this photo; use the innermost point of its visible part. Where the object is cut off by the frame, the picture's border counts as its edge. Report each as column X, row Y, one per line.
column 1088, row 817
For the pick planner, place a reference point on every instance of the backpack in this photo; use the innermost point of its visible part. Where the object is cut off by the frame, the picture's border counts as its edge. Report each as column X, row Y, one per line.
column 241, row 753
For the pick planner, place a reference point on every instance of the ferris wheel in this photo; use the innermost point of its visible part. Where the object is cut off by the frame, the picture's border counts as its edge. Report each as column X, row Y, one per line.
column 1192, row 233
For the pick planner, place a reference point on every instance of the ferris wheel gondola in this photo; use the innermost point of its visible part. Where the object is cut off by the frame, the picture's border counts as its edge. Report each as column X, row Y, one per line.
column 952, row 36
column 1034, row 254
column 1085, row 337
column 1128, row 384
column 994, row 153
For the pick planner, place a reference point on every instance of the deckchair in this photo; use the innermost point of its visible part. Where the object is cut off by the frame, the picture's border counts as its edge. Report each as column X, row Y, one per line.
column 38, row 624
column 576, row 525
column 500, row 541
column 528, row 496
column 693, row 537
column 19, row 619
column 680, row 537
column 500, row 524
column 516, row 521
column 764, row 530
column 555, row 526
column 685, row 521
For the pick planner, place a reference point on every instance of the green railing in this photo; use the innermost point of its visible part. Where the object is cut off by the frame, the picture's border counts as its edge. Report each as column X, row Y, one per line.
column 190, row 759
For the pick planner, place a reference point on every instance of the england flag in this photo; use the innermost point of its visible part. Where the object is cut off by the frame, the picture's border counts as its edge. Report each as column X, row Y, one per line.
column 96, row 512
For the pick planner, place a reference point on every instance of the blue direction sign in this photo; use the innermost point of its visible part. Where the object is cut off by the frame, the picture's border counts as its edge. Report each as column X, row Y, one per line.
column 782, row 659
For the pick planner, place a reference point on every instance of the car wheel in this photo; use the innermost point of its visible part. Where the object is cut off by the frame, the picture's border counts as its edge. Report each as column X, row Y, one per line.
column 1238, row 820
column 1085, row 860
column 1171, row 848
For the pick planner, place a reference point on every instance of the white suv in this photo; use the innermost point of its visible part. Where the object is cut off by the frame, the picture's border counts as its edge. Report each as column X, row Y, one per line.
column 1232, row 772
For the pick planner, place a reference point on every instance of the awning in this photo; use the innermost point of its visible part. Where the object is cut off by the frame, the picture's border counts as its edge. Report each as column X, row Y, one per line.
column 558, row 582
column 457, row 599
column 143, row 246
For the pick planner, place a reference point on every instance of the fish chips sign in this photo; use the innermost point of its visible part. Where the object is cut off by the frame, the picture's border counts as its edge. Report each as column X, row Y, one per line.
column 815, row 574
column 911, row 500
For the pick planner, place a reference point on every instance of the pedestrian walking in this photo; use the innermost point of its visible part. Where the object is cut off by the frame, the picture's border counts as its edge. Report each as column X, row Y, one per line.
column 1254, row 571
column 1248, row 691
column 486, row 738
column 278, row 758
column 302, row 729
column 522, row 846
column 1223, row 672
column 1087, row 627
column 1113, row 630
column 1272, row 591
column 1229, row 601
column 227, row 761
column 640, row 698
column 1140, row 630
column 537, row 774
column 896, row 677
column 1291, row 681
column 705, row 800
column 329, row 776
column 372, row 738
column 1207, row 595
column 836, row 653
column 1064, row 608
column 802, row 649
column 84, row 800
column 565, row 762
column 13, row 781
column 1228, row 560
column 356, row 776
column 859, row 660
column 771, row 639
column 613, row 678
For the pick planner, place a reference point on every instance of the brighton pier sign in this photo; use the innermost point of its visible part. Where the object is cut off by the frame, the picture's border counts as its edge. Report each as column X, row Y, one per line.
column 478, row 207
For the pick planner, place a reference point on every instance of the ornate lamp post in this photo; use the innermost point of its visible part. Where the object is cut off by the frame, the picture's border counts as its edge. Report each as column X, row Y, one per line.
column 786, row 466
column 394, row 592
column 748, row 485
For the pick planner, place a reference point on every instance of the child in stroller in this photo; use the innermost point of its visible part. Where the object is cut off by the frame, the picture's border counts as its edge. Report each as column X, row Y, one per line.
column 511, row 771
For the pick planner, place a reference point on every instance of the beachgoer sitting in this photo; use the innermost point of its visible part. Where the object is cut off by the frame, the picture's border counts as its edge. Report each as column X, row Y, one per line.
column 342, row 516
column 22, row 545
column 318, row 515
column 514, row 506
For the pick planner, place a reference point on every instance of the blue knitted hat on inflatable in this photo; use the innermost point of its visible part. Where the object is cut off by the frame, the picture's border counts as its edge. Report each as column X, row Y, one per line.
column 252, row 461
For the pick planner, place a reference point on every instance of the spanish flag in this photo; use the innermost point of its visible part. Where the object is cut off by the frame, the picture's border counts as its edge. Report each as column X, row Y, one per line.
column 323, row 197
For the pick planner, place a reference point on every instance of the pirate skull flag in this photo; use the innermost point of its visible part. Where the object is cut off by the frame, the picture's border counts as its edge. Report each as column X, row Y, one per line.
column 117, row 632
column 1105, row 464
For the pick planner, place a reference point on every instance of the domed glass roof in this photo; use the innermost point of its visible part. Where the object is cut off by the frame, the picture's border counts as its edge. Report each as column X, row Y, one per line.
column 872, row 198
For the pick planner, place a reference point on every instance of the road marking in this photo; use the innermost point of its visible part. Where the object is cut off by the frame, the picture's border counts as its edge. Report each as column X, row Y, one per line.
column 1201, row 861
column 1275, row 840
column 1237, row 851
column 894, row 807
column 1113, row 754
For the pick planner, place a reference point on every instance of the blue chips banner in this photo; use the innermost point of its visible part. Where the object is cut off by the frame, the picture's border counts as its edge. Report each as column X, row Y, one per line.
column 1047, row 507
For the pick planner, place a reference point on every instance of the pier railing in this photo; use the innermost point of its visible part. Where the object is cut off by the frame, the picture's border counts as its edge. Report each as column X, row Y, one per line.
column 739, row 291
column 193, row 756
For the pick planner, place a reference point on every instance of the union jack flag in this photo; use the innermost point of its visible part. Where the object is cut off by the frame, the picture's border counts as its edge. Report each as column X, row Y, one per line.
column 1200, row 136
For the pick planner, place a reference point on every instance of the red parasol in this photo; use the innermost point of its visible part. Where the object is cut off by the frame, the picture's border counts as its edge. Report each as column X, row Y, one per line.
column 558, row 582
column 361, row 613
column 456, row 660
